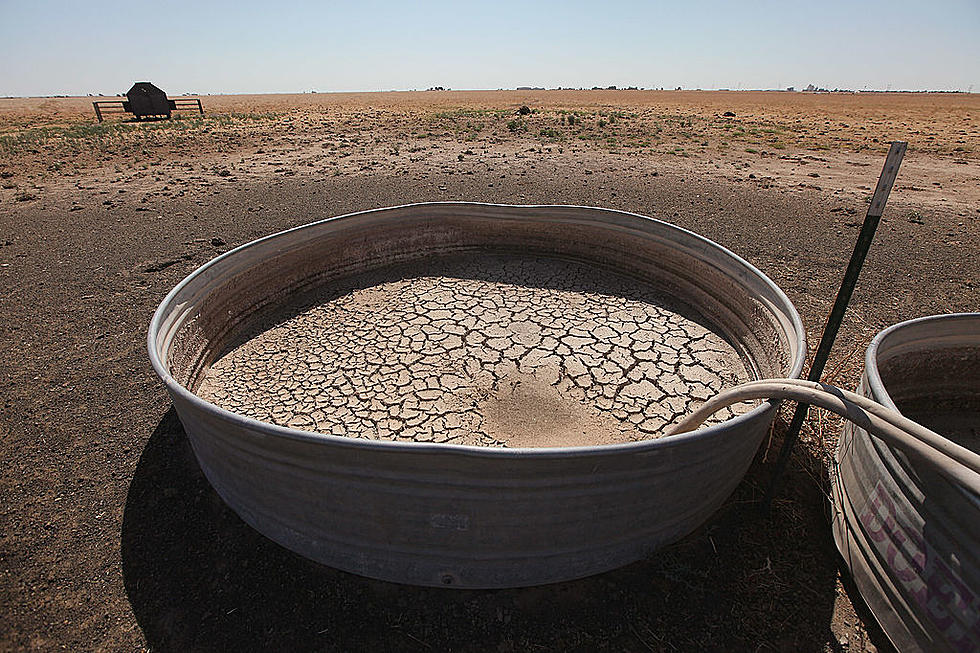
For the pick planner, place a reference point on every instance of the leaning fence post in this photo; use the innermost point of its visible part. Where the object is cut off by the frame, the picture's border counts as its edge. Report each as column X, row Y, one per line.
column 871, row 220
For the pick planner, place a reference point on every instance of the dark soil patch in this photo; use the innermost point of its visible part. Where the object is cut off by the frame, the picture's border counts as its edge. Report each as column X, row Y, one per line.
column 110, row 538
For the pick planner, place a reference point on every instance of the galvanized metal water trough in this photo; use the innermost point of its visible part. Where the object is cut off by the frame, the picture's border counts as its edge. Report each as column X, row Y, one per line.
column 909, row 535
column 459, row 516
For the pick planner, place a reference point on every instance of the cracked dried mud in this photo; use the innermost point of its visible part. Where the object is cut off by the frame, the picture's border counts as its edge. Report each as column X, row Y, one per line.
column 488, row 351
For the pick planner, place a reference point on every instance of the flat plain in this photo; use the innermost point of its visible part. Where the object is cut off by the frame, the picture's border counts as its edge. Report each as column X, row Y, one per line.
column 111, row 538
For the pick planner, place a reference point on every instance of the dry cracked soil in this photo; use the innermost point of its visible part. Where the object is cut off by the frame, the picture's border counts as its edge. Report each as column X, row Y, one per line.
column 484, row 351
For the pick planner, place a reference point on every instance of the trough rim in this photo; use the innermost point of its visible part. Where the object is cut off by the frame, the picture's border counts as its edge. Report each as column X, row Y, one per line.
column 639, row 446
column 878, row 390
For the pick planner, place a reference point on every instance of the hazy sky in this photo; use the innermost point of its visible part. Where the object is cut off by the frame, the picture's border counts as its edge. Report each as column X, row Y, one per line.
column 61, row 47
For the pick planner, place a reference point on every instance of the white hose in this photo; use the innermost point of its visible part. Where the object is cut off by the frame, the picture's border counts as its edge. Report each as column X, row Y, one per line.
column 957, row 463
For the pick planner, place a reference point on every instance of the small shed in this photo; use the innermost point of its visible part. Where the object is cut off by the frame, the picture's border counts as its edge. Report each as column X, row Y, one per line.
column 146, row 100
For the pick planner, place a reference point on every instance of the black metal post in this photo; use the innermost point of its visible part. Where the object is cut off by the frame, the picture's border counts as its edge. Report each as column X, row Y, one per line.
column 871, row 220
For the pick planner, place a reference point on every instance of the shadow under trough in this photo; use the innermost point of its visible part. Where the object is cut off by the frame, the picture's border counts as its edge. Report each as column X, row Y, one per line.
column 199, row 578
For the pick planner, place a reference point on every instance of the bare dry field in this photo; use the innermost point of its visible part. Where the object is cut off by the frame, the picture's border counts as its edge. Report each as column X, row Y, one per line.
column 820, row 142
column 111, row 538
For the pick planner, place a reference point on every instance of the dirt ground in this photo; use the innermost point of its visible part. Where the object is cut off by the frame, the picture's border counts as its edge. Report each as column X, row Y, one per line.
column 111, row 538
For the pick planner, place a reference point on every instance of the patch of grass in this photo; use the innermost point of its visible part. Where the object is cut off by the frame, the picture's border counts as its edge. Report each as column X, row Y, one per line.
column 549, row 132
column 79, row 136
column 517, row 126
column 751, row 150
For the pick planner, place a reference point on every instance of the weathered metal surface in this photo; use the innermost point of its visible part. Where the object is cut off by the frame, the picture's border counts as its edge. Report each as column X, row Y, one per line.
column 455, row 515
column 910, row 537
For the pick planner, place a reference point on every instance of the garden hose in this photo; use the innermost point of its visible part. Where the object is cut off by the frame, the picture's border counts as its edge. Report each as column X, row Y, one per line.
column 953, row 461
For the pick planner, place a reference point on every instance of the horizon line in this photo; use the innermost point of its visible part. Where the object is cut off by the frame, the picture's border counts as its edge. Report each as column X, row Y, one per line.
column 523, row 89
